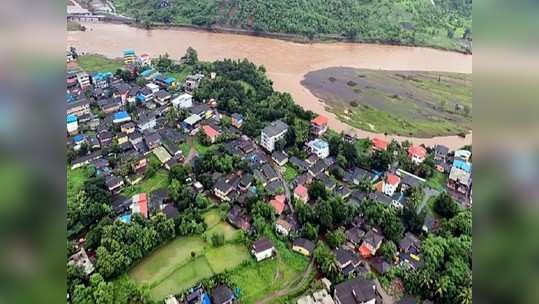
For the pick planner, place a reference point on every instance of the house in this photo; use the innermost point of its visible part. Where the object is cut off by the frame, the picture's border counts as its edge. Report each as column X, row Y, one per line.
column 129, row 57
column 85, row 160
column 319, row 125
column 343, row 191
column 81, row 261
column 319, row 147
column 183, row 101
column 409, row 180
column 417, row 154
column 371, row 243
column 139, row 204
column 462, row 165
column 128, row 128
column 380, row 265
column 211, row 133
column 121, row 117
column 299, row 164
column 83, row 79
column 192, row 82
column 122, row 138
column 355, row 291
column 162, row 97
column 171, row 300
column 139, row 165
column 319, row 167
column 152, row 86
column 282, row 227
column 303, row 246
column 318, row 297
column 78, row 108
column 246, row 181
column 165, row 82
column 354, row 235
column 237, row 120
column 357, row 175
column 459, row 180
column 224, row 186
column 440, row 152
column 348, row 261
column 379, row 144
column 312, row 159
column 262, row 249
column 114, row 183
column 161, row 154
column 279, row 157
column 202, row 110
column 278, row 203
column 72, row 124
column 152, row 140
column 410, row 243
column 465, row 155
column 109, row 105
column 238, row 219
column 222, row 295
column 269, row 173
column 146, row 121
column 190, row 123
column 101, row 79
column 329, row 182
column 301, row 193
column 391, row 183
column 272, row 133
column 145, row 95
column 410, row 260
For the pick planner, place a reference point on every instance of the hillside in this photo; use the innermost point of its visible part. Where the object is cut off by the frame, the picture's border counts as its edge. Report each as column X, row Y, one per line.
column 439, row 23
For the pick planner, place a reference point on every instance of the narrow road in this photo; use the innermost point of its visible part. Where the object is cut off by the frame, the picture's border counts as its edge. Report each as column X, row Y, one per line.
column 285, row 186
column 288, row 289
column 386, row 298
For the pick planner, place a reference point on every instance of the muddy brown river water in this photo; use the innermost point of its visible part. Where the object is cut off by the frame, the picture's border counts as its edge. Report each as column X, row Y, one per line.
column 286, row 62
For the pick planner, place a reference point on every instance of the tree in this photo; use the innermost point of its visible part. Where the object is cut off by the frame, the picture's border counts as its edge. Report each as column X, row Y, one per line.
column 317, row 190
column 461, row 224
column 190, row 57
column 178, row 172
column 388, row 250
column 412, row 219
column 336, row 238
column 325, row 259
column 445, row 206
column 325, row 215
column 217, row 239
column 310, row 231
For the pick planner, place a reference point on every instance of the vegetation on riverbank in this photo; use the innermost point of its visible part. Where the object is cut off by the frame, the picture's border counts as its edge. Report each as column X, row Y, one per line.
column 98, row 63
column 442, row 24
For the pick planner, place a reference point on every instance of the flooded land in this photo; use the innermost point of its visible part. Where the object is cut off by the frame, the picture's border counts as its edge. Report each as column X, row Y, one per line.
column 286, row 62
column 406, row 103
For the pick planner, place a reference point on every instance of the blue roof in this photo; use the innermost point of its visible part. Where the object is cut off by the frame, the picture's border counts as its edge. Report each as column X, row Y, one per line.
column 102, row 75
column 160, row 77
column 71, row 118
column 129, row 52
column 147, row 72
column 121, row 115
column 320, row 144
column 170, row 80
column 206, row 299
column 78, row 138
column 463, row 165
column 126, row 218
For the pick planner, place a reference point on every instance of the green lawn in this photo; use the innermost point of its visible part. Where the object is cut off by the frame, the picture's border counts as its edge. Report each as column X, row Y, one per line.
column 438, row 181
column 171, row 268
column 75, row 181
column 256, row 280
column 200, row 148
column 159, row 180
column 185, row 149
column 181, row 75
column 289, row 173
column 98, row 63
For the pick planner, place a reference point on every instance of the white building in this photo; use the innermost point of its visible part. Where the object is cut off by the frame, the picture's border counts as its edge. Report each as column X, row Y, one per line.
column 272, row 133
column 152, row 86
column 391, row 183
column 81, row 261
column 83, row 79
column 183, row 101
column 262, row 249
column 72, row 124
column 319, row 147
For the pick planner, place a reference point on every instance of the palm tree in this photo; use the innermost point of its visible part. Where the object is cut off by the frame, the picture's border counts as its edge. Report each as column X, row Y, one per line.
column 465, row 296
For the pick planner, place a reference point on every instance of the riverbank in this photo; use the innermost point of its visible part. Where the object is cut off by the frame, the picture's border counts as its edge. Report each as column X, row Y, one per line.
column 286, row 62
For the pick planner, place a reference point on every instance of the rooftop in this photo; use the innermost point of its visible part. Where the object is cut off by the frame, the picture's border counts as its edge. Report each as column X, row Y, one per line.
column 275, row 128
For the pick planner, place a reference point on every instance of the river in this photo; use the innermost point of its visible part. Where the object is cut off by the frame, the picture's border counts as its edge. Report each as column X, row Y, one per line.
column 286, row 62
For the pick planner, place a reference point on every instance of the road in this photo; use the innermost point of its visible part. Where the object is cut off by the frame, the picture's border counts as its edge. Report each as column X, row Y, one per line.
column 286, row 187
column 386, row 298
column 289, row 288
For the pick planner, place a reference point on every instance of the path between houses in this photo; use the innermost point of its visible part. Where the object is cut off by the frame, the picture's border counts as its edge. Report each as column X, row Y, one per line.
column 288, row 289
column 386, row 298
column 285, row 187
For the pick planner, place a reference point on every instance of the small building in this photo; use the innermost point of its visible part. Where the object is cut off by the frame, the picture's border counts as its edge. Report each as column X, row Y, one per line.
column 78, row 108
column 417, row 154
column 371, row 243
column 355, row 291
column 279, row 157
column 114, row 183
column 183, row 101
column 391, row 183
column 301, row 193
column 128, row 128
column 319, row 147
column 354, row 236
column 440, row 152
column 379, row 144
column 237, row 120
column 263, row 249
column 222, row 295
column 146, row 121
column 272, row 133
column 303, row 246
column 465, row 155
column 81, row 261
column 162, row 97
column 211, row 133
column 319, row 125
column 278, row 203
column 283, row 227
column 162, row 154
column 121, row 117
column 190, row 123
column 72, row 124
column 139, row 204
column 460, row 181
column 224, row 186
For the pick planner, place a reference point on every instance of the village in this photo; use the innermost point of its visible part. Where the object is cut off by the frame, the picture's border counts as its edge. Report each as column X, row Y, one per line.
column 163, row 153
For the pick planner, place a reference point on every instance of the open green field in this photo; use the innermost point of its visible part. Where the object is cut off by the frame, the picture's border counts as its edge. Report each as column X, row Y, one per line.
column 97, row 63
column 407, row 103
column 438, row 181
column 75, row 181
column 158, row 180
column 289, row 173
column 257, row 280
column 171, row 268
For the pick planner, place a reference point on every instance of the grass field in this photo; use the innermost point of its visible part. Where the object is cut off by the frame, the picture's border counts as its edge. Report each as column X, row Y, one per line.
column 289, row 173
column 75, row 181
column 200, row 148
column 159, row 180
column 257, row 280
column 409, row 103
column 438, row 181
column 171, row 268
column 98, row 63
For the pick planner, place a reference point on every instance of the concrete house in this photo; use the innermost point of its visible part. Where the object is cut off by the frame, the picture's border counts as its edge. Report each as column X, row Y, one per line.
column 263, row 249
column 319, row 147
column 272, row 133
column 355, row 291
column 391, row 183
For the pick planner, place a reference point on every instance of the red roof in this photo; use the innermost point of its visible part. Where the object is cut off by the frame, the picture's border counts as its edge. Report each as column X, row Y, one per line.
column 418, row 151
column 141, row 200
column 379, row 144
column 278, row 203
column 320, row 120
column 211, row 132
column 393, row 179
column 301, row 191
column 365, row 251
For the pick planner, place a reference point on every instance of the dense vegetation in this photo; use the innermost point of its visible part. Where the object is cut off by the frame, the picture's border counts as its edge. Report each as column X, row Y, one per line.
column 445, row 24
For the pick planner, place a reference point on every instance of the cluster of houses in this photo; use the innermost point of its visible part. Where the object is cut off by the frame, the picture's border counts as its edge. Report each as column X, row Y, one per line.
column 116, row 126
